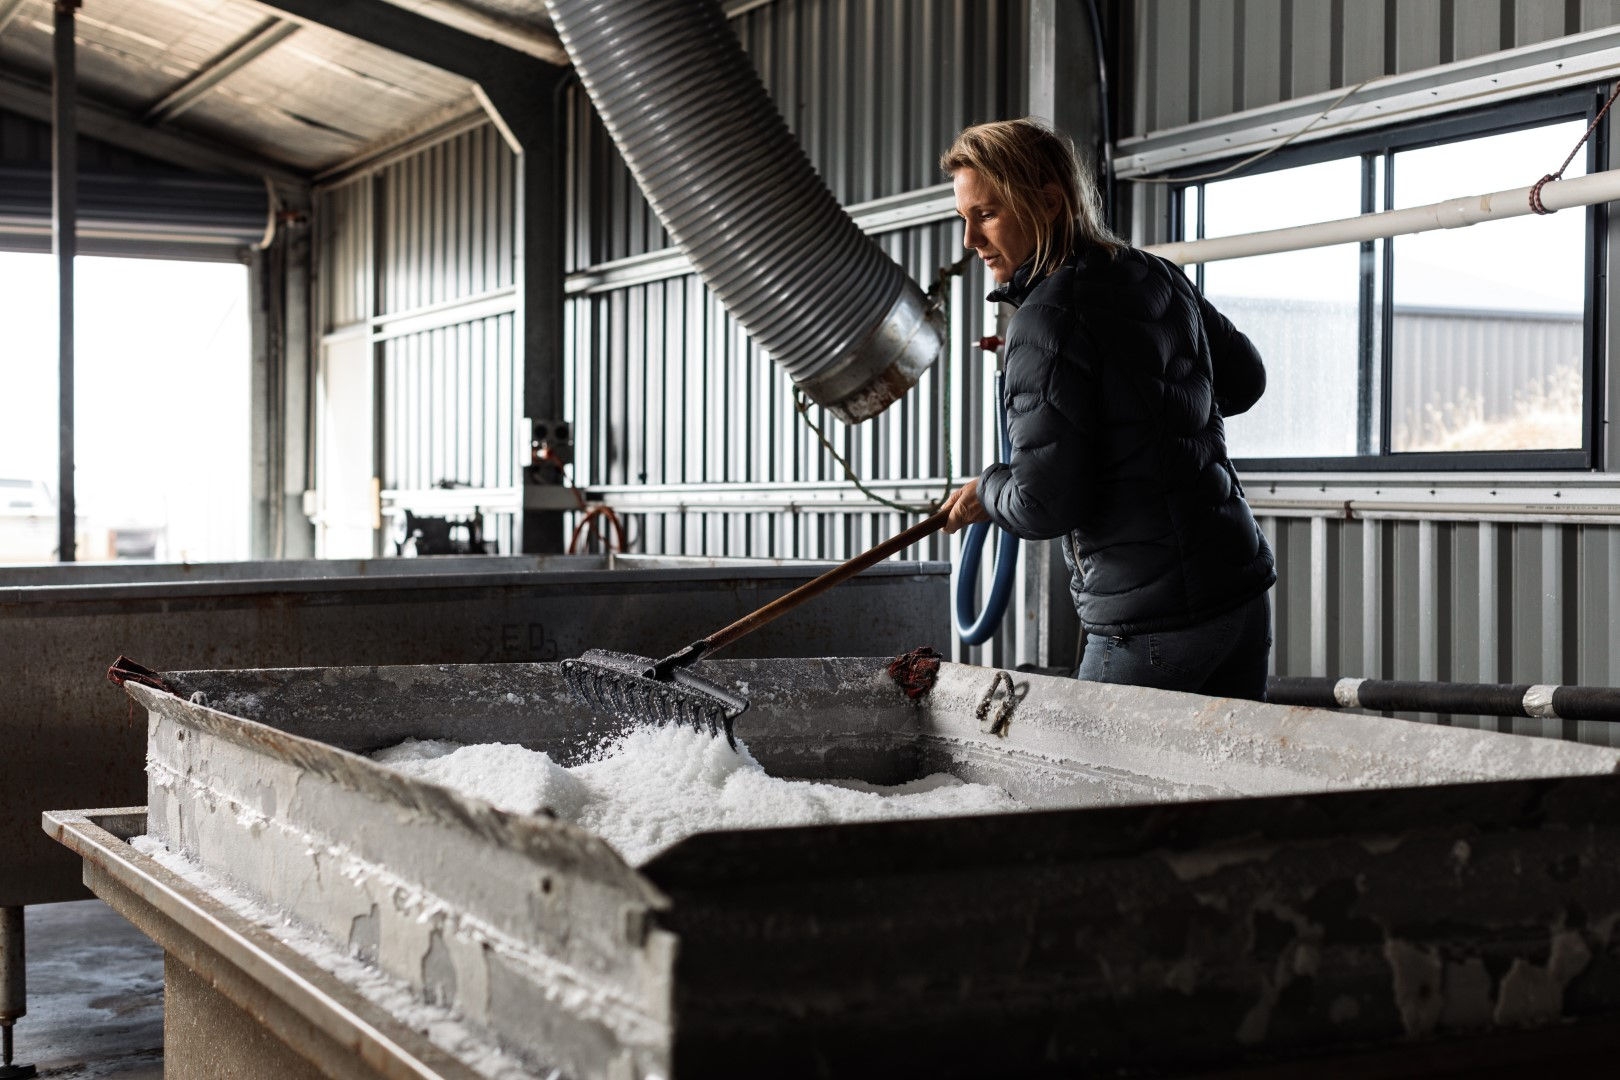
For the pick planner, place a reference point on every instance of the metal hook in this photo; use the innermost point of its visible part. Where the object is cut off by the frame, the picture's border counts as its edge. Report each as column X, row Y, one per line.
column 997, row 724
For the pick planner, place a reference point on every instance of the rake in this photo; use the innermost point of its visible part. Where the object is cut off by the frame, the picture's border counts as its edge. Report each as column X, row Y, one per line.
column 638, row 688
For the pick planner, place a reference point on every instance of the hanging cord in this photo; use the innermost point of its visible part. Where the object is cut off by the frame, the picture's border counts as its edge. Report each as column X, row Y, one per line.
column 1536, row 204
column 593, row 517
column 976, row 627
column 938, row 301
column 611, row 538
column 1259, row 155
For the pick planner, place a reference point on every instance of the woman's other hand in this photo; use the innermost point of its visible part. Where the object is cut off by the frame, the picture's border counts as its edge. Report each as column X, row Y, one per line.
column 964, row 506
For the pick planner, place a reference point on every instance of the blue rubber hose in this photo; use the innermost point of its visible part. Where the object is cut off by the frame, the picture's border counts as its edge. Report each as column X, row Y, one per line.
column 976, row 629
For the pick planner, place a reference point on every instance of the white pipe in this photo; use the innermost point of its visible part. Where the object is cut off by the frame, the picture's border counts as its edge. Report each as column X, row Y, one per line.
column 1452, row 214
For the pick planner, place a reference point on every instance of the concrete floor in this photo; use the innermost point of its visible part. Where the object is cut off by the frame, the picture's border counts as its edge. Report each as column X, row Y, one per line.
column 95, row 995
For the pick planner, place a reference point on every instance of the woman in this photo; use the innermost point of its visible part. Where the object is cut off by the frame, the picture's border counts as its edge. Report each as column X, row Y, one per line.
column 1118, row 374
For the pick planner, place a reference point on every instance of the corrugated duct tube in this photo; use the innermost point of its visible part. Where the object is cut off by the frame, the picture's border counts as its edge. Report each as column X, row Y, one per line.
column 726, row 177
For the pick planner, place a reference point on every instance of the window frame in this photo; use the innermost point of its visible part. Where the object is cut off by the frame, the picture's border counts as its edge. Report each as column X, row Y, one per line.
column 1375, row 359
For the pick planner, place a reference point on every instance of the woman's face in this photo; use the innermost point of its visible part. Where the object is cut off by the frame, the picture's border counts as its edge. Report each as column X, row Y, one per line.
column 989, row 228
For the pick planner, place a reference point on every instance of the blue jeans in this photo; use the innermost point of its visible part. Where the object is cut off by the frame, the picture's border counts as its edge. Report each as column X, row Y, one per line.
column 1226, row 656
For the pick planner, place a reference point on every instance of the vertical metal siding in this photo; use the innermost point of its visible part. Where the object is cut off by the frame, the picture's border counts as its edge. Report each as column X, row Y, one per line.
column 723, row 412
column 1202, row 59
column 1463, row 601
column 451, row 401
column 666, row 389
column 873, row 90
column 1477, row 362
column 416, row 239
column 345, row 219
column 448, row 222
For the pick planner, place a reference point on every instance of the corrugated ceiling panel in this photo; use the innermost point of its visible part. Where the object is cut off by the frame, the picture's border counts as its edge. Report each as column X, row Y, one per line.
column 312, row 101
column 320, row 97
column 132, row 52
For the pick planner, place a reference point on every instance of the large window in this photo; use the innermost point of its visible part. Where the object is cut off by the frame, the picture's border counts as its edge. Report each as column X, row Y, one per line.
column 160, row 417
column 1466, row 348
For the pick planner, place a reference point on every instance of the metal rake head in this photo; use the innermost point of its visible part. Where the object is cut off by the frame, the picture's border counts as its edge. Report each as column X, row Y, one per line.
column 622, row 685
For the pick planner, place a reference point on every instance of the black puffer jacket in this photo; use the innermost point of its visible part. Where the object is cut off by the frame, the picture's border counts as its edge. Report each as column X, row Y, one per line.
column 1117, row 375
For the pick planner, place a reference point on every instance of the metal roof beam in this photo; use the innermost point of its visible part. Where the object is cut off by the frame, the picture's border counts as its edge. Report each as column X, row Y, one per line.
column 271, row 33
column 97, row 121
column 417, row 36
column 9, row 10
column 525, row 39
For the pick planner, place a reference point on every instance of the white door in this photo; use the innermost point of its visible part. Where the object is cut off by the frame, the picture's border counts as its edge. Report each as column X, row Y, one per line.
column 347, row 509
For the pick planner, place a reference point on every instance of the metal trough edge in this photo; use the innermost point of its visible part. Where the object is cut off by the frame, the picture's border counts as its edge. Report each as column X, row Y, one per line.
column 308, row 1008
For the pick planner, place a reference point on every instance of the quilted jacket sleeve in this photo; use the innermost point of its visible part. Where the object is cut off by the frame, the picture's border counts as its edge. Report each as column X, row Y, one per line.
column 1240, row 375
column 1042, row 491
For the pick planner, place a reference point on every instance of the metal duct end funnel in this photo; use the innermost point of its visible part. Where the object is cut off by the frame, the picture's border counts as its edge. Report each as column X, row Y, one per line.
column 887, row 363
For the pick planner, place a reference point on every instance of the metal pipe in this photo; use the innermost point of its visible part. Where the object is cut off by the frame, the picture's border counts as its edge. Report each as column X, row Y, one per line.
column 1485, row 699
column 1451, row 214
column 64, row 223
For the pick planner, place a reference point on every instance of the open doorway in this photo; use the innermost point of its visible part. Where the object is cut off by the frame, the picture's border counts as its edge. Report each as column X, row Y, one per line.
column 162, row 406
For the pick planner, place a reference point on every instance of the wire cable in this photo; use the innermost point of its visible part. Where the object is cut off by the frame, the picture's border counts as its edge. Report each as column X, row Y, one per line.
column 1258, row 155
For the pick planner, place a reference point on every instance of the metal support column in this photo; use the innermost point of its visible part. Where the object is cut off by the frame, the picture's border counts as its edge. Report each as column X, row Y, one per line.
column 1063, row 72
column 13, row 989
column 1063, row 90
column 536, row 134
column 64, row 227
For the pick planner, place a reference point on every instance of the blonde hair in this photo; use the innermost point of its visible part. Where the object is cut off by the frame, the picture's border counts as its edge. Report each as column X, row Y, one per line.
column 1019, row 159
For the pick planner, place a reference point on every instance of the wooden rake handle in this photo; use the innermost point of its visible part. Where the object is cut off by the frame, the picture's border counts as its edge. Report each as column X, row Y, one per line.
column 788, row 601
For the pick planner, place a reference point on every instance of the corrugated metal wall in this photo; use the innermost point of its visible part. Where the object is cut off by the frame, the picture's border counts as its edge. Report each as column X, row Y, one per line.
column 1202, row 59
column 1458, row 601
column 1478, row 364
column 345, row 248
column 872, row 89
column 421, row 256
column 1412, row 595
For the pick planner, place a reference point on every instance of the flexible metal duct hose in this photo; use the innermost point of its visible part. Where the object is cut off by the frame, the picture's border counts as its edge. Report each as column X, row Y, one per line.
column 726, row 177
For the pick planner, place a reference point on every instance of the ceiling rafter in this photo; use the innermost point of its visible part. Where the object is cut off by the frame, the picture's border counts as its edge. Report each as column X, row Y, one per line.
column 412, row 34
column 113, row 127
column 9, row 10
column 525, row 39
column 267, row 36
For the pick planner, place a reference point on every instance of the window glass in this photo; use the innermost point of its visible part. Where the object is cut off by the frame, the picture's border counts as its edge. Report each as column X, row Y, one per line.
column 161, row 409
column 28, row 437
column 1488, row 320
column 1485, row 325
column 1299, row 308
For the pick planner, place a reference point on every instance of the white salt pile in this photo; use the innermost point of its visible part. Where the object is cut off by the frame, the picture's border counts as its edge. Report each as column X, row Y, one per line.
column 658, row 785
